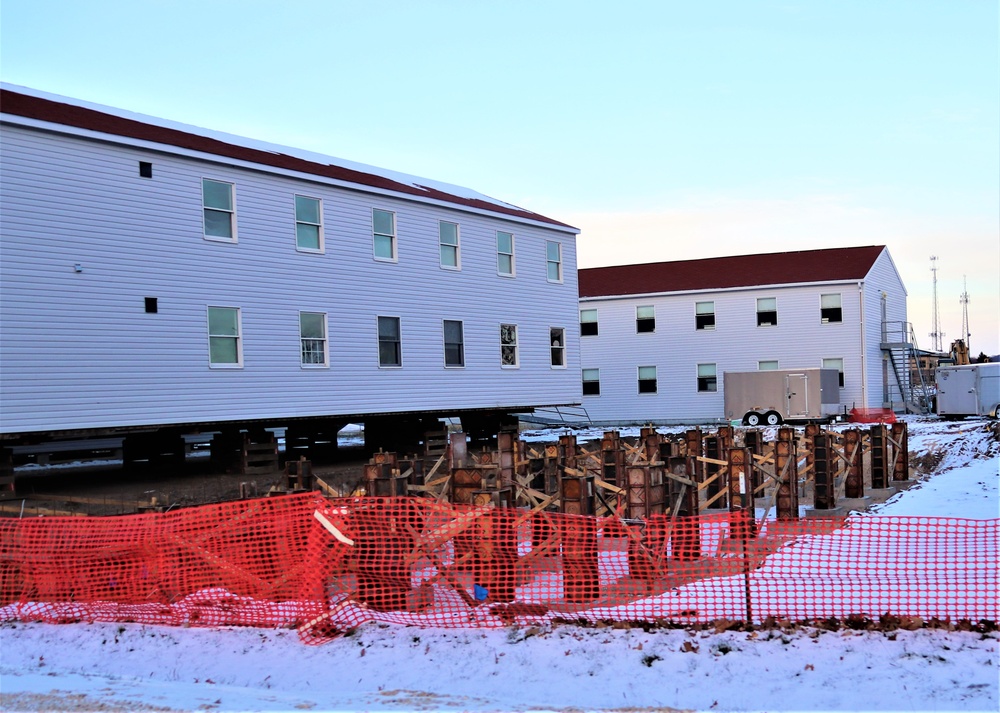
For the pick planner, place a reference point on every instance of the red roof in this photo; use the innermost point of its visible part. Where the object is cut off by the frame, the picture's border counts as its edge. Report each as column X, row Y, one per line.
column 719, row 273
column 68, row 114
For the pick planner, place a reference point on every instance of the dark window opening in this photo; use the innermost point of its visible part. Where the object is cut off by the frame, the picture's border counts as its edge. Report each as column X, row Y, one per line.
column 707, row 383
column 767, row 319
column 151, row 306
column 645, row 325
column 145, row 169
column 704, row 321
column 591, row 388
column 588, row 329
column 831, row 314
column 647, row 386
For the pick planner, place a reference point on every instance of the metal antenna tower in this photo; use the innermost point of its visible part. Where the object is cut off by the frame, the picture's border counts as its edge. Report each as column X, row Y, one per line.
column 936, row 333
column 964, row 299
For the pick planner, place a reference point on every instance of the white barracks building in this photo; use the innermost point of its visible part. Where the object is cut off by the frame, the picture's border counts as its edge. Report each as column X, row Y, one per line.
column 657, row 338
column 161, row 277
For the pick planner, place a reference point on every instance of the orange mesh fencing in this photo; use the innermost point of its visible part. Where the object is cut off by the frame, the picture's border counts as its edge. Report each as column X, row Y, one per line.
column 325, row 566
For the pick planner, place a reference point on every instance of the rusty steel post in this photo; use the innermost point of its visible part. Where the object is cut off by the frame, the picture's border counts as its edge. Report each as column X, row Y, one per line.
column 854, row 484
column 879, row 456
column 824, row 495
column 742, row 522
column 900, row 452
column 713, row 451
column 693, row 439
column 786, row 462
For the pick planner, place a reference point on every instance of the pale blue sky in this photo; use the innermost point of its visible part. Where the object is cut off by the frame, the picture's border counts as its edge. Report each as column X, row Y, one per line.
column 664, row 130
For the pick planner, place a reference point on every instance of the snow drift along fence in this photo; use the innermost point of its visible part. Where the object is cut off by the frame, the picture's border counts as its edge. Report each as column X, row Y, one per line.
column 324, row 566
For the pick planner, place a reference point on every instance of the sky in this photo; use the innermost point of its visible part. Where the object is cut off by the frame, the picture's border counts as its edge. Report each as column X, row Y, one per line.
column 663, row 130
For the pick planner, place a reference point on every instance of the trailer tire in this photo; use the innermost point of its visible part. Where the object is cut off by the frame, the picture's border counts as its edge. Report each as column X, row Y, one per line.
column 772, row 418
column 752, row 418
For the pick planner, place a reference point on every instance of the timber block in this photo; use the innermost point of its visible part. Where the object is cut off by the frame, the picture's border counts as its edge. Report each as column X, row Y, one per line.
column 828, row 512
column 851, row 504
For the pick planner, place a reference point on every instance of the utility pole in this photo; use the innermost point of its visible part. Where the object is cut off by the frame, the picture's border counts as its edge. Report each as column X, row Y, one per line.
column 964, row 299
column 936, row 333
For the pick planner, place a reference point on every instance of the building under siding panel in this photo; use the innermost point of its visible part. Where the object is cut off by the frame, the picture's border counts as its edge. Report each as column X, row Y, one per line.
column 86, row 240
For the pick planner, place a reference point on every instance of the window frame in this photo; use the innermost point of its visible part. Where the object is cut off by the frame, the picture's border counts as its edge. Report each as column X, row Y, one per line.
column 639, row 380
column 645, row 325
column 321, row 247
column 238, row 337
column 457, row 247
column 595, row 322
column 515, row 345
column 558, row 262
column 760, row 322
column 553, row 349
column 398, row 341
column 840, row 369
column 393, row 240
column 701, row 316
column 230, row 211
column 325, row 340
column 512, row 255
column 839, row 308
column 585, row 381
column 460, row 343
column 712, row 380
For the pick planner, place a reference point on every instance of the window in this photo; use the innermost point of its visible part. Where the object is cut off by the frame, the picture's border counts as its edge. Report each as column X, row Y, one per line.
column 505, row 254
column 145, row 169
column 557, row 346
column 704, row 315
column 151, row 305
column 588, row 322
column 217, row 201
column 553, row 255
column 448, row 241
column 829, row 309
column 312, row 333
column 767, row 365
column 645, row 319
column 389, row 350
column 508, row 345
column 591, row 382
column 706, row 378
column 454, row 343
column 767, row 311
column 647, row 379
column 837, row 364
column 308, row 224
column 224, row 347
column 384, row 230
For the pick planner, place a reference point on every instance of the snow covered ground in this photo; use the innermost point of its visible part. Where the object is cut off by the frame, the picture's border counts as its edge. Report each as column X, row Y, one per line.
column 385, row 668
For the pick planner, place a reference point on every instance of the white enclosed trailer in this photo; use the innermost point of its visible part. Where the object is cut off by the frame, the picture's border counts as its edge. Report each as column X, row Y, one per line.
column 968, row 390
column 779, row 395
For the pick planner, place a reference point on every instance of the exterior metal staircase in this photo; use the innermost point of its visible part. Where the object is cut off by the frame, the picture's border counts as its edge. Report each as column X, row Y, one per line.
column 908, row 389
column 575, row 415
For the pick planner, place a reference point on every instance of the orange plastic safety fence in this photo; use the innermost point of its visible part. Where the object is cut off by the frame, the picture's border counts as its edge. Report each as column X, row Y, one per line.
column 324, row 566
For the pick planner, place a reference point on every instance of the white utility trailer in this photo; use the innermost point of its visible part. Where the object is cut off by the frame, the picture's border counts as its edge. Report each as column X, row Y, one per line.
column 778, row 395
column 968, row 390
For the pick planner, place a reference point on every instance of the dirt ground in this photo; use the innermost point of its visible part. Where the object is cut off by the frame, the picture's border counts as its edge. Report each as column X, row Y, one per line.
column 108, row 490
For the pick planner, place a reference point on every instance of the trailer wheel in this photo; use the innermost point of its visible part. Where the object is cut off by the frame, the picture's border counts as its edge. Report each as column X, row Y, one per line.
column 751, row 418
column 772, row 418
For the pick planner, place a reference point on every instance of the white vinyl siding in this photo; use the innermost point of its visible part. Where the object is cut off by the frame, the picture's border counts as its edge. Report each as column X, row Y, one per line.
column 97, row 186
column 308, row 224
column 384, row 234
column 225, row 346
column 312, row 336
column 218, row 210
column 449, row 246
